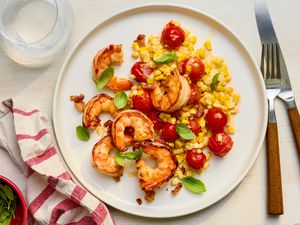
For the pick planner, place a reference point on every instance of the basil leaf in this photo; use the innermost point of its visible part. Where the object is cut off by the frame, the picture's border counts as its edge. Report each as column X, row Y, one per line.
column 9, row 192
column 214, row 81
column 133, row 155
column 120, row 99
column 3, row 195
column 194, row 185
column 184, row 132
column 105, row 76
column 119, row 159
column 169, row 57
column 83, row 134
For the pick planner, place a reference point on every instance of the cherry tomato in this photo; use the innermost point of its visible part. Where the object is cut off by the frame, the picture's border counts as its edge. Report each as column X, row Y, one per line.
column 194, row 126
column 216, row 119
column 195, row 94
column 196, row 70
column 141, row 71
column 172, row 36
column 142, row 102
column 156, row 120
column 220, row 144
column 169, row 132
column 195, row 160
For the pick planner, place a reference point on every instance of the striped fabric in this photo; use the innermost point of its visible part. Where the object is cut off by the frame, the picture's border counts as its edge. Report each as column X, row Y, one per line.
column 52, row 196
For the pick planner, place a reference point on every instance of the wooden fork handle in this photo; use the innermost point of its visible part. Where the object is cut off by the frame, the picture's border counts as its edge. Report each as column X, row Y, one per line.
column 295, row 121
column 275, row 202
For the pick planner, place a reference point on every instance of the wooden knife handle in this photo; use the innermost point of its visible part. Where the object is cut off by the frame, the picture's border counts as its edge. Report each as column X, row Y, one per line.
column 275, row 202
column 295, row 121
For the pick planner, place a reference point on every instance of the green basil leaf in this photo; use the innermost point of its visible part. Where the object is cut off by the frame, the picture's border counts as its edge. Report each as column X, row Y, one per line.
column 120, row 99
column 214, row 81
column 9, row 192
column 184, row 132
column 105, row 76
column 119, row 159
column 194, row 185
column 3, row 195
column 82, row 133
column 169, row 57
column 133, row 155
column 6, row 221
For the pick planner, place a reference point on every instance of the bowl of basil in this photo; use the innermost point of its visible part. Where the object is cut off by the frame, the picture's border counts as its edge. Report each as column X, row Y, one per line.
column 12, row 204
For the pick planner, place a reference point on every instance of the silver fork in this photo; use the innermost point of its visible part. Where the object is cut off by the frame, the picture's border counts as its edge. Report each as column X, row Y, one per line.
column 270, row 68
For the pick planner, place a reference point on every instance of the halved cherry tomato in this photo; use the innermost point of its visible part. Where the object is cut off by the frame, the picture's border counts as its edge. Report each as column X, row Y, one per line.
column 172, row 36
column 169, row 132
column 220, row 144
column 194, row 126
column 195, row 160
column 141, row 71
column 194, row 68
column 142, row 102
column 195, row 94
column 216, row 119
column 156, row 120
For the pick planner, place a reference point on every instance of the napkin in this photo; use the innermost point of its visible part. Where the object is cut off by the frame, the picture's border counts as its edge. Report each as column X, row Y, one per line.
column 52, row 196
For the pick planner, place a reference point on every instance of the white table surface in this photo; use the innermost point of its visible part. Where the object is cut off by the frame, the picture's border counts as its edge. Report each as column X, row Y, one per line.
column 247, row 203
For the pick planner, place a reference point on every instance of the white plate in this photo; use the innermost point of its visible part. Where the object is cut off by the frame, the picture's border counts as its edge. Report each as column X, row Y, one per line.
column 224, row 174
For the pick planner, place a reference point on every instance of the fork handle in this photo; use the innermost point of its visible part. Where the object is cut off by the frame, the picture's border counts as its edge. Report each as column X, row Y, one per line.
column 275, row 202
column 295, row 121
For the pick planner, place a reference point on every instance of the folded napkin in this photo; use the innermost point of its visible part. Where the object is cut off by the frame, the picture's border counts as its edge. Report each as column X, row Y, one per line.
column 52, row 196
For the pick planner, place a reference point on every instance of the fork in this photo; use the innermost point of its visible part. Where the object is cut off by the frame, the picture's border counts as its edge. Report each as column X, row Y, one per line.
column 270, row 68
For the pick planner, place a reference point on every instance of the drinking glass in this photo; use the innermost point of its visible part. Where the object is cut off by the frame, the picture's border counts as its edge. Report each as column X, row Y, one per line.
column 33, row 32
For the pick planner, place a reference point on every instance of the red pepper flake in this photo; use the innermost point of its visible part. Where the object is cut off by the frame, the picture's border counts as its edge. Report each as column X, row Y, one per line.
column 176, row 189
column 139, row 201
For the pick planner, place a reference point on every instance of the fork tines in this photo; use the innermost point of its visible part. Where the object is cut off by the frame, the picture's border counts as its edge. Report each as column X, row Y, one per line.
column 270, row 57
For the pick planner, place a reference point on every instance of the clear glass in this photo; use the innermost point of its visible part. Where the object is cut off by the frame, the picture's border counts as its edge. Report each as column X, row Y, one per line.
column 33, row 32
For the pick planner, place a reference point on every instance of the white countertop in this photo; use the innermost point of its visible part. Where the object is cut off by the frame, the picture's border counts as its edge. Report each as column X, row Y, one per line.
column 247, row 203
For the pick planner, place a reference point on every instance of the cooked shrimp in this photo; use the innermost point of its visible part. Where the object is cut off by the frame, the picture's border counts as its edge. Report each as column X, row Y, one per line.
column 172, row 93
column 111, row 55
column 94, row 107
column 141, row 124
column 102, row 161
column 150, row 178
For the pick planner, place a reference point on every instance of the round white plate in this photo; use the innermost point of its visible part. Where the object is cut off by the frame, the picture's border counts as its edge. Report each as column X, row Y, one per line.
column 224, row 174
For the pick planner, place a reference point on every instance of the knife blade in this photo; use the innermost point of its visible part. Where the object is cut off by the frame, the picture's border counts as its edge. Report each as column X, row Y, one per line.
column 267, row 35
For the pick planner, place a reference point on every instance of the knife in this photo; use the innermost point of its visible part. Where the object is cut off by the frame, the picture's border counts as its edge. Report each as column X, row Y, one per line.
column 267, row 34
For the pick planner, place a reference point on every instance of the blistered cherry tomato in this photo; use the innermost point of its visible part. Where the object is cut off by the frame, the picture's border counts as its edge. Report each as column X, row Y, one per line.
column 194, row 126
column 195, row 160
column 172, row 36
column 141, row 71
column 169, row 132
column 142, row 102
column 220, row 143
column 195, row 94
column 156, row 120
column 216, row 119
column 194, row 68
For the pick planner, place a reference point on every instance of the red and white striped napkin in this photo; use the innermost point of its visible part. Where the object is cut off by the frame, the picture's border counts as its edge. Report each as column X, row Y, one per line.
column 52, row 196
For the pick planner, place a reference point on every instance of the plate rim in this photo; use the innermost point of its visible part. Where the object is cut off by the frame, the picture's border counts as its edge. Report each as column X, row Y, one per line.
column 238, row 179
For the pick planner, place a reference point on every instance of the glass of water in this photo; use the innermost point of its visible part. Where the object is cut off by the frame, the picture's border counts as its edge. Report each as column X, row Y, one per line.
column 33, row 32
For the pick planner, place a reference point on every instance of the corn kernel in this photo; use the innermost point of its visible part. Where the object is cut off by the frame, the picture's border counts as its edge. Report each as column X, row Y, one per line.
column 174, row 181
column 193, row 39
column 131, row 95
column 172, row 120
column 236, row 98
column 206, row 164
column 156, row 72
column 208, row 156
column 150, row 80
column 189, row 173
column 200, row 137
column 160, row 77
column 135, row 46
column 140, row 92
column 171, row 144
column 189, row 145
column 193, row 111
column 187, row 32
column 207, row 45
column 178, row 151
column 191, row 47
column 179, row 143
column 219, row 61
column 180, row 174
column 230, row 129
column 202, row 122
column 207, row 69
column 152, row 65
column 185, row 108
column 135, row 55
column 185, row 121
